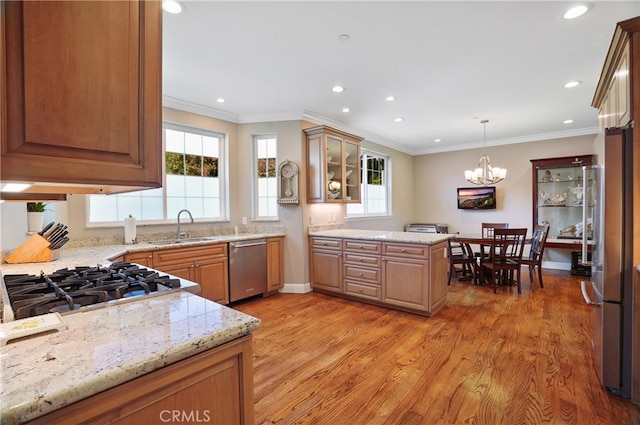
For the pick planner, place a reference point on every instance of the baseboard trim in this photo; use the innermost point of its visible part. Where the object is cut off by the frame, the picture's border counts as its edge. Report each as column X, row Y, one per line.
column 296, row 288
column 556, row 265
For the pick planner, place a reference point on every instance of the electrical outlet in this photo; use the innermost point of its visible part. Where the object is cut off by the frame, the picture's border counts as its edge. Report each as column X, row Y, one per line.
column 311, row 220
column 244, row 220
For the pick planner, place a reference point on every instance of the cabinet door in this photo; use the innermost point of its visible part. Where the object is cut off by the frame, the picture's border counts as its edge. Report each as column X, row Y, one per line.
column 406, row 283
column 143, row 258
column 185, row 271
column 213, row 277
column 275, row 263
column 83, row 93
column 352, row 172
column 438, row 276
column 326, row 270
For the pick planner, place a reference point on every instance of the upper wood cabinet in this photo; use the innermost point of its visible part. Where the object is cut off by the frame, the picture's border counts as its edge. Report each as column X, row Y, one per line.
column 81, row 94
column 333, row 165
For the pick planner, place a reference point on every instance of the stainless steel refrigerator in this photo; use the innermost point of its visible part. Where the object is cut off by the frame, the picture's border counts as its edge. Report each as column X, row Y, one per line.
column 608, row 195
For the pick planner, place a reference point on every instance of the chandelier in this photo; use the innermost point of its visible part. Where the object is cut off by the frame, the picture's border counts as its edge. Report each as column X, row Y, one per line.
column 485, row 174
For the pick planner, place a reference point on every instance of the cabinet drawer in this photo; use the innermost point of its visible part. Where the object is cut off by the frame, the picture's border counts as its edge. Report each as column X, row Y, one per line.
column 365, row 273
column 362, row 246
column 326, row 243
column 183, row 255
column 363, row 290
column 363, row 260
column 405, row 250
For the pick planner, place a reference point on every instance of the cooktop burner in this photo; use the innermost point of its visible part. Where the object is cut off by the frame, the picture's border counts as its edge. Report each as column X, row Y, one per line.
column 69, row 289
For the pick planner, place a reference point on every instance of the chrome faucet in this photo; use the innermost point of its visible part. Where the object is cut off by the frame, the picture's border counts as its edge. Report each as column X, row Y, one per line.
column 178, row 232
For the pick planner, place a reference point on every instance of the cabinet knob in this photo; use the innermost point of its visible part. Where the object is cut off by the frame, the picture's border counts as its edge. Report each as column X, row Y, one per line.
column 360, row 274
column 404, row 250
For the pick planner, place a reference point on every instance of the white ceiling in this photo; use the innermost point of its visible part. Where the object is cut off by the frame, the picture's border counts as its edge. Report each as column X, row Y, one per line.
column 449, row 65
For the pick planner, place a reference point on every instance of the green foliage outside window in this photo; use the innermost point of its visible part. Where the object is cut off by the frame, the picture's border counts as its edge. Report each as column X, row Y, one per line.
column 266, row 167
column 375, row 168
column 191, row 165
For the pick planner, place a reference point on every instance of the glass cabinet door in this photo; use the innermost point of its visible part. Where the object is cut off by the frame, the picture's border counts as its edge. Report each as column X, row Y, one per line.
column 334, row 169
column 351, row 174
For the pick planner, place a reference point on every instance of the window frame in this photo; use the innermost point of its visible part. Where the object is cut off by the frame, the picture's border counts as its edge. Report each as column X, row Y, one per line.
column 223, row 176
column 254, row 182
column 364, row 153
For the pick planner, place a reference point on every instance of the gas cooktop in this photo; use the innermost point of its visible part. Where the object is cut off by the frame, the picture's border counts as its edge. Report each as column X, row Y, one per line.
column 67, row 290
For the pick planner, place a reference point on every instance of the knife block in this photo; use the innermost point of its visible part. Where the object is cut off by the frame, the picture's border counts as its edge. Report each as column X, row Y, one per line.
column 33, row 250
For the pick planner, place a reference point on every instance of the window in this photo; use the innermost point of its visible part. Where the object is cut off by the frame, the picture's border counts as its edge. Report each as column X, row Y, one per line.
column 376, row 184
column 266, row 183
column 194, row 179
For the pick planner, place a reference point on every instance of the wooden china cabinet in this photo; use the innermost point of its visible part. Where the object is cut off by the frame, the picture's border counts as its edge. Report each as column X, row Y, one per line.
column 557, row 198
column 333, row 166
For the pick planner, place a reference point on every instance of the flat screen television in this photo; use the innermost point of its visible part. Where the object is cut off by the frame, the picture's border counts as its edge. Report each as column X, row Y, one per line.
column 477, row 198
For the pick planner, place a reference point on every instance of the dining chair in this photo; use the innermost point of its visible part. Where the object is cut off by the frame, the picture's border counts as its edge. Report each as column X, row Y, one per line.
column 538, row 241
column 505, row 256
column 487, row 232
column 461, row 255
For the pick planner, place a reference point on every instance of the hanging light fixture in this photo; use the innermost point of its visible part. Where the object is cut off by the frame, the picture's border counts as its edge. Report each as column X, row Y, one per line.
column 485, row 174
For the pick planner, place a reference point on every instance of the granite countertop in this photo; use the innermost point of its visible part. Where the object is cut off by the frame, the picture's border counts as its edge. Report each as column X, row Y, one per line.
column 91, row 255
column 106, row 347
column 385, row 236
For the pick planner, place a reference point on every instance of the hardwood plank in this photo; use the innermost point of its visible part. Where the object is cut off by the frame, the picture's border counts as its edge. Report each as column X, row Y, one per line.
column 484, row 358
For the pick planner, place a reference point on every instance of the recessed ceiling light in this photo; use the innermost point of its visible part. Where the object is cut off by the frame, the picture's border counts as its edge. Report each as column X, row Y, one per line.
column 437, row 140
column 576, row 11
column 571, row 84
column 345, row 109
column 390, row 98
column 220, row 100
column 344, row 37
column 172, row 6
column 399, row 119
column 567, row 121
column 337, row 89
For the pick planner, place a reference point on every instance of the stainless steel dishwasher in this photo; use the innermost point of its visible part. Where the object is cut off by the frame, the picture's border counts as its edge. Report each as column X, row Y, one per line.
column 247, row 268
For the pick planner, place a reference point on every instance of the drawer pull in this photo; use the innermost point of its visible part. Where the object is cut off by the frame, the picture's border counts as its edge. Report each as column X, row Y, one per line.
column 360, row 274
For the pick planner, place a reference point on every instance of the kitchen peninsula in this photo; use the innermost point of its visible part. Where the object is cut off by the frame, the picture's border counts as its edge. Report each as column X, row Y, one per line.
column 402, row 270
column 141, row 361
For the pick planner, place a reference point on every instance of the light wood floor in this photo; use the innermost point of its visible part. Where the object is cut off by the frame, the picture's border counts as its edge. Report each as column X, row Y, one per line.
column 484, row 358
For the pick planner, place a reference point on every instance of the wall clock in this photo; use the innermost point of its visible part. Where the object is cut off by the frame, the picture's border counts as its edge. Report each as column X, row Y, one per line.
column 288, row 183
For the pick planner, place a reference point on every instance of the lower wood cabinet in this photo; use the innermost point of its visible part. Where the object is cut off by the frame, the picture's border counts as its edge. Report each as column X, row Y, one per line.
column 206, row 265
column 144, row 258
column 325, row 263
column 215, row 386
column 405, row 276
column 275, row 264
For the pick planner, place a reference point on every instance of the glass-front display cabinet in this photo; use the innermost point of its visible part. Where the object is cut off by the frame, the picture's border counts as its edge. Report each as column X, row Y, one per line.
column 333, row 165
column 559, row 201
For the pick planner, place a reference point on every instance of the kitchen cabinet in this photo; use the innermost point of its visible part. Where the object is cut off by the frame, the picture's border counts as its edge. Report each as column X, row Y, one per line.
column 333, row 166
column 215, row 386
column 557, row 198
column 275, row 264
column 206, row 265
column 144, row 258
column 325, row 264
column 82, row 95
column 404, row 276
column 362, row 267
column 415, row 275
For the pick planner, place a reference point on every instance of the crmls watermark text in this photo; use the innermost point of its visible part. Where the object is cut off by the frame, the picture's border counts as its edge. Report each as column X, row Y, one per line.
column 183, row 416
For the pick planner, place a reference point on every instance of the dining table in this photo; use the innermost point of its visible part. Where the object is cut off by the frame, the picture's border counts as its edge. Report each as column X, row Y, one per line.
column 476, row 239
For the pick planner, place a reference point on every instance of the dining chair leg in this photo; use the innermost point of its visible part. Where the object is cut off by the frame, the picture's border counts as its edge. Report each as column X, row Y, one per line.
column 452, row 270
column 540, row 276
column 518, row 277
column 531, row 267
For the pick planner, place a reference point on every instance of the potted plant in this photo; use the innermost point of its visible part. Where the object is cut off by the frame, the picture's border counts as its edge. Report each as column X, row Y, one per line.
column 35, row 216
